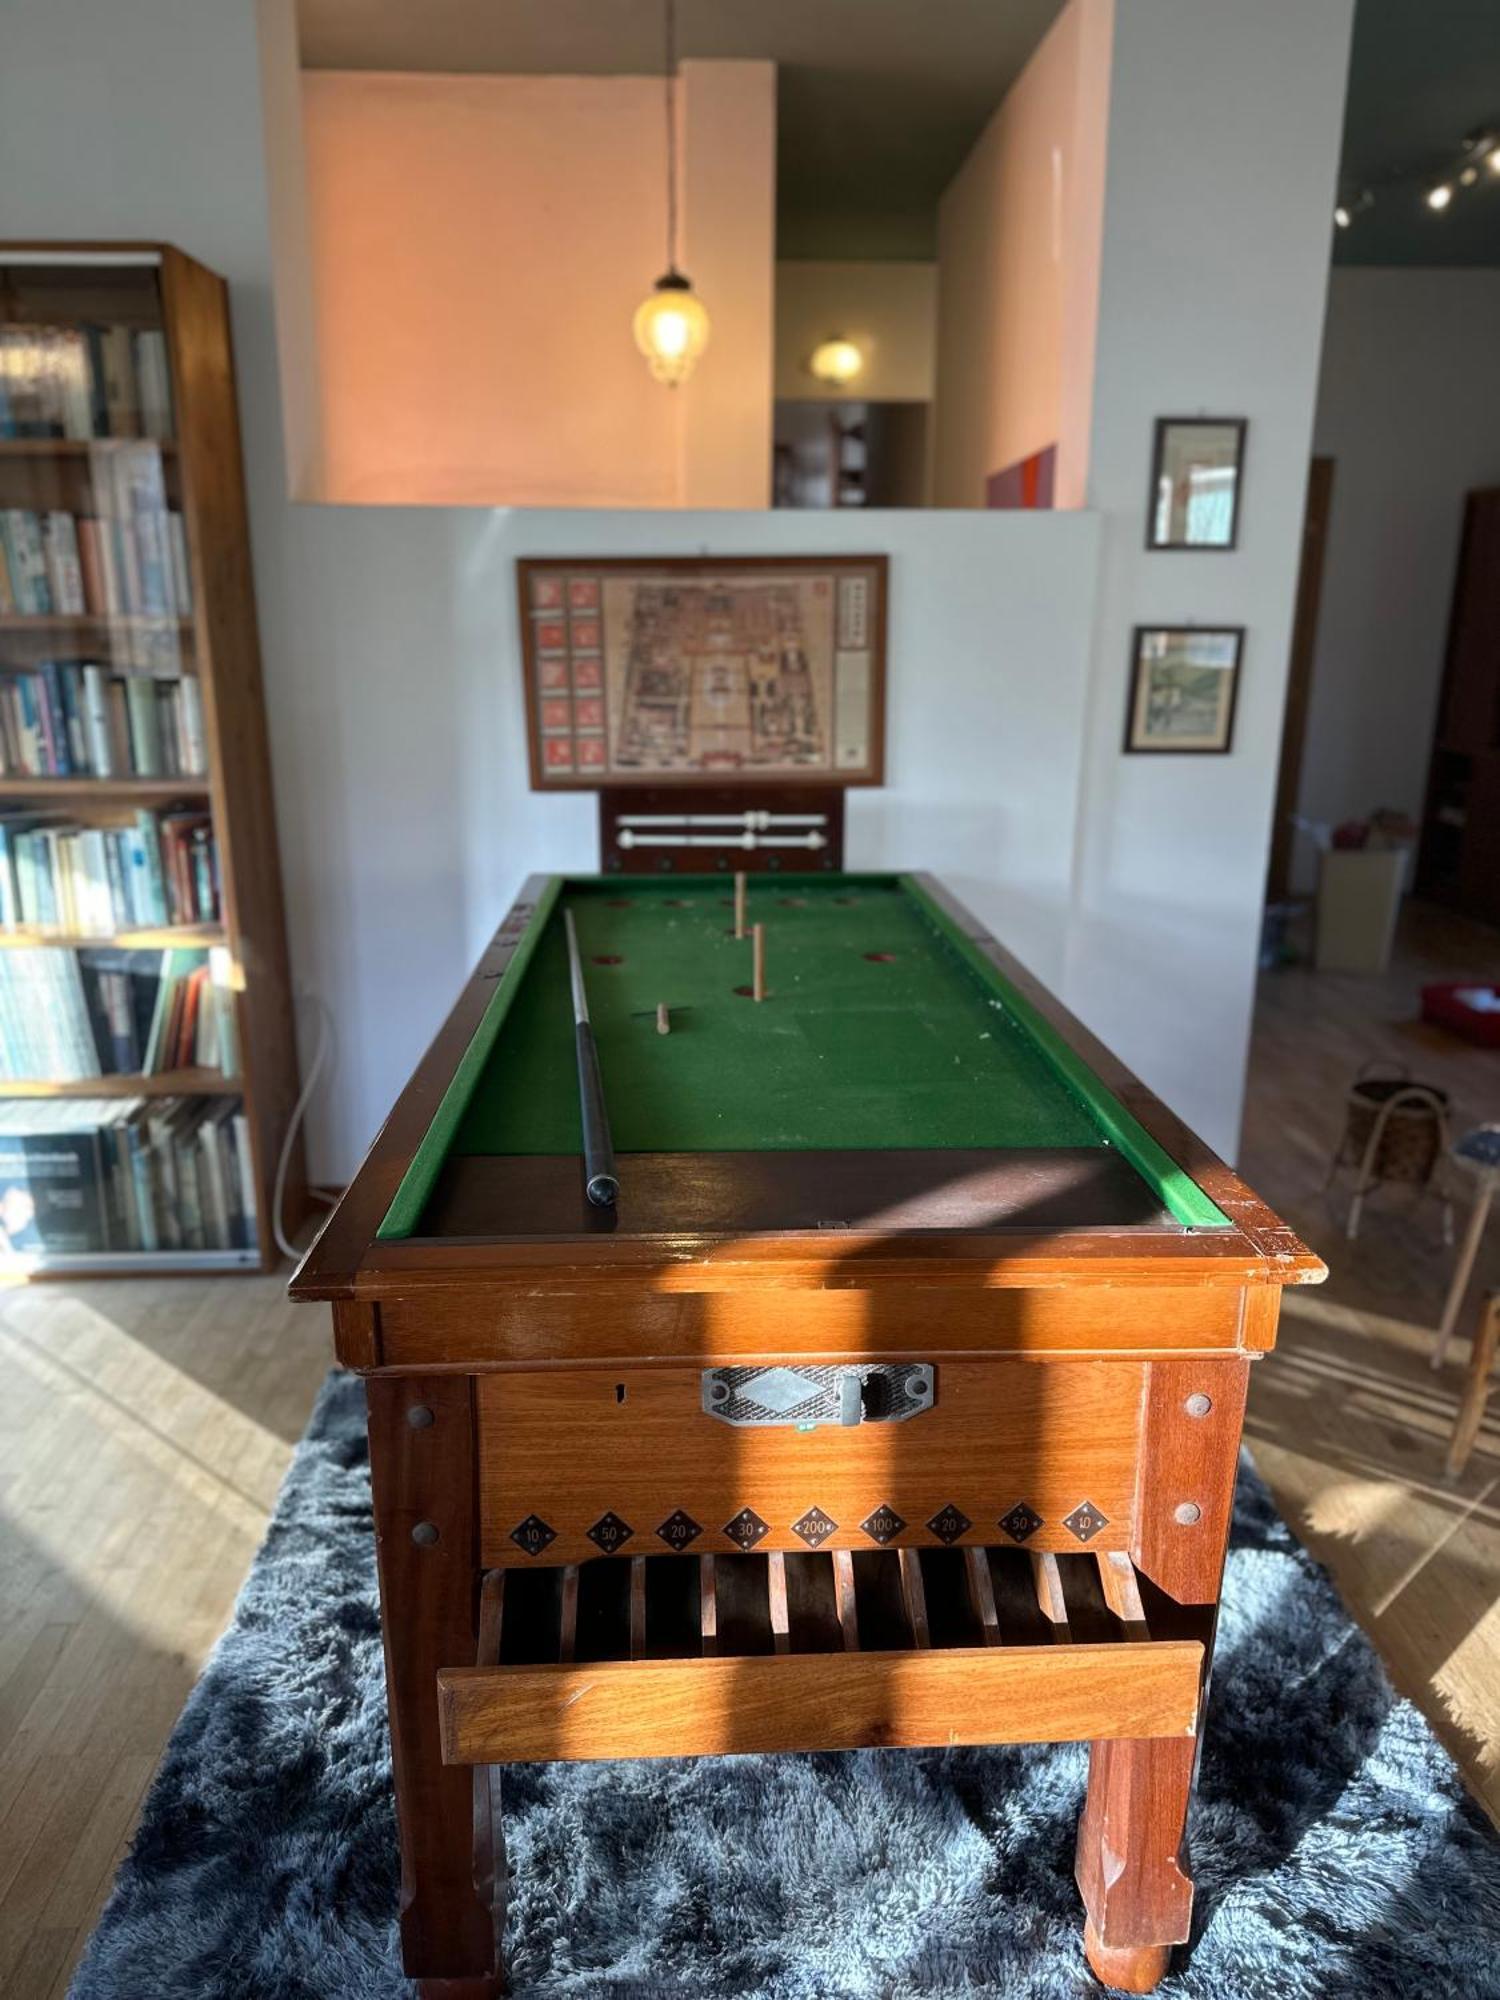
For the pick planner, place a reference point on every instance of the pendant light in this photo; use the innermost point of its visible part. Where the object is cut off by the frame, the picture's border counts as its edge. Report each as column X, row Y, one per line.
column 670, row 325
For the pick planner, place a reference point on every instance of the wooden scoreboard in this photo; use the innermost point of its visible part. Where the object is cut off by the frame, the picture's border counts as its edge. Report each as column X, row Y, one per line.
column 720, row 706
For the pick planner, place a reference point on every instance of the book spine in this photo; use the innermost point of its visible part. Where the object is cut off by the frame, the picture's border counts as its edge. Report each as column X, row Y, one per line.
column 36, row 747
column 96, row 720
column 60, row 554
column 55, row 716
column 121, row 399
column 182, row 573
column 246, row 1171
column 28, row 562
column 10, row 909
column 91, row 565
column 146, row 828
column 194, row 741
column 140, row 707
column 140, row 1176
column 98, row 399
column 72, row 699
column 71, row 366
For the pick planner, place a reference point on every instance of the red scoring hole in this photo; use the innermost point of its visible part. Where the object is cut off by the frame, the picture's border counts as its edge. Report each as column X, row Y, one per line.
column 881, row 957
column 617, row 903
column 608, row 958
column 678, row 903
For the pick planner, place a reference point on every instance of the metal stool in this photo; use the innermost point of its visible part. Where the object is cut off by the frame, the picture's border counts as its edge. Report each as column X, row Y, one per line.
column 1395, row 1130
column 1478, row 1153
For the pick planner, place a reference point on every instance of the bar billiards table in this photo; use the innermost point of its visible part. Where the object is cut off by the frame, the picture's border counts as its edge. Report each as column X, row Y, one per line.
column 896, row 1400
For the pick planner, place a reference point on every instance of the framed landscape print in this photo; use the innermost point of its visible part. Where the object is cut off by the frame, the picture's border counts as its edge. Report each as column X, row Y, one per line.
column 1197, row 467
column 1183, row 684
column 681, row 669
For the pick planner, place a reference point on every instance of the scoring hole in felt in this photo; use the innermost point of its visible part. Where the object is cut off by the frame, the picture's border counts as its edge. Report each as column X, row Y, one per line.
column 793, row 902
column 607, row 958
column 881, row 957
column 748, row 992
column 617, row 903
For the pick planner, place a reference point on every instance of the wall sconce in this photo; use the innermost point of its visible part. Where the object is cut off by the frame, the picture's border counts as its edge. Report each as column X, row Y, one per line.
column 836, row 361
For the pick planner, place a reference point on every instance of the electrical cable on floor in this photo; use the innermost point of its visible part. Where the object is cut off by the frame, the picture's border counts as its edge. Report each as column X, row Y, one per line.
column 314, row 1071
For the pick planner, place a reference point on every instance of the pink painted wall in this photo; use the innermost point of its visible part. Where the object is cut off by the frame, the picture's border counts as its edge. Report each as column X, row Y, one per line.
column 1019, row 236
column 478, row 245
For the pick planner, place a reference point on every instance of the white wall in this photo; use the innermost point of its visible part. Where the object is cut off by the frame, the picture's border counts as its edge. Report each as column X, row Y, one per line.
column 888, row 310
column 1018, row 240
column 478, row 246
column 427, row 819
column 1409, row 410
column 1224, row 125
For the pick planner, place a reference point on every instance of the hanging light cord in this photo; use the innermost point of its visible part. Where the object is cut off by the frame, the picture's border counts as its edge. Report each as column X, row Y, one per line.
column 669, row 77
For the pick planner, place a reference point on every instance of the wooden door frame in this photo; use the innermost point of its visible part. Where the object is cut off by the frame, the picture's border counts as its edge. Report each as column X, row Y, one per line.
column 1300, row 673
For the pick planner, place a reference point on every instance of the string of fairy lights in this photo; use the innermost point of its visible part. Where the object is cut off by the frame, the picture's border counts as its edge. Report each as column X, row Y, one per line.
column 1478, row 162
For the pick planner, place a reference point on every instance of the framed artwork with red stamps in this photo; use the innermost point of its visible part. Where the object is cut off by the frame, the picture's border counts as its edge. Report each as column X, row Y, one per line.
column 677, row 669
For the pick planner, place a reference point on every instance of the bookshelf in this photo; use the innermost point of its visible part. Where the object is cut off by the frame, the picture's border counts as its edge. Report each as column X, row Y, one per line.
column 147, row 1048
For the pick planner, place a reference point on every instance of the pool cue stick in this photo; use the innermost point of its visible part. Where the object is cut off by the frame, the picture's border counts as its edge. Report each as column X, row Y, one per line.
column 739, row 903
column 758, row 961
column 600, row 1178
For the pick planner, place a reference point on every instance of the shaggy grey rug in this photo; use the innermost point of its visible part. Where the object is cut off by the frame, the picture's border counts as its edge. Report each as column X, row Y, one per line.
column 1336, row 1852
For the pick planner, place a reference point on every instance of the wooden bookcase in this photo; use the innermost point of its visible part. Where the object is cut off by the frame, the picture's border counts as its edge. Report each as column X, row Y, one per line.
column 86, row 293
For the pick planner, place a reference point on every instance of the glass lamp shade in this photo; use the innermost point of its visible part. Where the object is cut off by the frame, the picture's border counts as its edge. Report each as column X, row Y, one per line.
column 671, row 329
column 837, row 361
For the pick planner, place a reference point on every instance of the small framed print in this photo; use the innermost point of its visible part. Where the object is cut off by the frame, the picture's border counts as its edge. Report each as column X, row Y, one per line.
column 1183, row 685
column 1197, row 467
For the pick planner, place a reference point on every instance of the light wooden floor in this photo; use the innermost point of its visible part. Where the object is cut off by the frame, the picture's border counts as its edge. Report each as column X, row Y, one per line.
column 144, row 1429
column 1347, row 1420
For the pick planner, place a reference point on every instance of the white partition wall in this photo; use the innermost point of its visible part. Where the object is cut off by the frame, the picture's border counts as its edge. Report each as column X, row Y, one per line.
column 1224, row 128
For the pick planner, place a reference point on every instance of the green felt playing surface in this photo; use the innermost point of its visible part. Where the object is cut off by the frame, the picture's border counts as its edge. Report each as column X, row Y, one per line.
column 874, row 1033
column 883, row 1026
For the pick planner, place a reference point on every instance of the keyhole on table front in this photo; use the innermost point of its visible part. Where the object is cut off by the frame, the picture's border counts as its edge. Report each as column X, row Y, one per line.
column 619, row 1392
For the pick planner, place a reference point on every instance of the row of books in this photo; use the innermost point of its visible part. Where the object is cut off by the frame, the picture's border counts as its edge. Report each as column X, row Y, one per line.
column 80, row 719
column 91, row 881
column 66, row 1016
column 127, row 560
column 100, row 1174
column 93, row 381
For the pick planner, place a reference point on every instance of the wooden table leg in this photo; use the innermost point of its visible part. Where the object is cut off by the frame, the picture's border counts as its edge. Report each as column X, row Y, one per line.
column 422, row 1473
column 1463, row 1270
column 1476, row 1387
column 1132, row 1867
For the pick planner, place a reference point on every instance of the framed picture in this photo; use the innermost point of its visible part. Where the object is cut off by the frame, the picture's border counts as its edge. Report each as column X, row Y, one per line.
column 1197, row 468
column 677, row 669
column 1183, row 683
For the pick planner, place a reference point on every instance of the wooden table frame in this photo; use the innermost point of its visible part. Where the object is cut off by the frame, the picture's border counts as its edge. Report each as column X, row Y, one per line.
column 455, row 1334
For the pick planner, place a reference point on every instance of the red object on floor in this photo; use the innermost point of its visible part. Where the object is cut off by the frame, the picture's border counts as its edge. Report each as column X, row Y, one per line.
column 1443, row 1005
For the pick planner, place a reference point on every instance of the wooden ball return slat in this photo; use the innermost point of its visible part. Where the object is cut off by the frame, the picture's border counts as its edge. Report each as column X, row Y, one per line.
column 914, row 1424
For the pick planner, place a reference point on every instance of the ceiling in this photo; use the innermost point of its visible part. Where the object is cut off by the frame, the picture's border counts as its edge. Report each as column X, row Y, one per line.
column 878, row 101
column 1422, row 75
